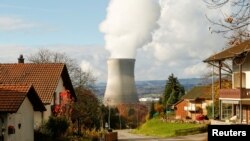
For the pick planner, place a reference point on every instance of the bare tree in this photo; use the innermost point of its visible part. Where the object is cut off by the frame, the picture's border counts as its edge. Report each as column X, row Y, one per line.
column 86, row 110
column 227, row 70
column 234, row 25
column 79, row 78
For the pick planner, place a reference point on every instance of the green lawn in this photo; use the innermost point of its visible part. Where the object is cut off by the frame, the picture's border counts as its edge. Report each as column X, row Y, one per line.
column 155, row 127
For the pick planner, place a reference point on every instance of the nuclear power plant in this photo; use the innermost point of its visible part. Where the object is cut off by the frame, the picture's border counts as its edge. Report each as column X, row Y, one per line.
column 120, row 87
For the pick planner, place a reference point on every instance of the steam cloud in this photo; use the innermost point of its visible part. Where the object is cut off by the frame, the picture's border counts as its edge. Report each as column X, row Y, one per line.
column 129, row 25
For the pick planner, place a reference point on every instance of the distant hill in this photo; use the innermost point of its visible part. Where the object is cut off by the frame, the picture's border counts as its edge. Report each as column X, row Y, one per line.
column 153, row 86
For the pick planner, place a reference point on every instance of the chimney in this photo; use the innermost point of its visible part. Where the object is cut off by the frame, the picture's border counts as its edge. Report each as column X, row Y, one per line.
column 120, row 87
column 20, row 59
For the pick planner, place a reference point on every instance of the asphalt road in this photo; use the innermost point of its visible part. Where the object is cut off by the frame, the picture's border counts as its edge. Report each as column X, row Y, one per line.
column 125, row 135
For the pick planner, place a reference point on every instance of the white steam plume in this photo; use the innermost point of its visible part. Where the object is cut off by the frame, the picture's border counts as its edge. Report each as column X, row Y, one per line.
column 129, row 25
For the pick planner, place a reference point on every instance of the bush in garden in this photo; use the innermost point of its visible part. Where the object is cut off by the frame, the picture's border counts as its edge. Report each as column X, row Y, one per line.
column 57, row 126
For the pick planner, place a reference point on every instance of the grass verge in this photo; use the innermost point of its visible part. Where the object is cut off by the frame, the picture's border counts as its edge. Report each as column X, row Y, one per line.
column 156, row 127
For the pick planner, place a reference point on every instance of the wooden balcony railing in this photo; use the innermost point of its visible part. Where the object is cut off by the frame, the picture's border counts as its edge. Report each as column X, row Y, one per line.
column 190, row 108
column 234, row 93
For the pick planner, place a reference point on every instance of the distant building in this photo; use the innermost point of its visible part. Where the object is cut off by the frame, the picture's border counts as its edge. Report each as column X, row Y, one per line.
column 194, row 102
column 149, row 99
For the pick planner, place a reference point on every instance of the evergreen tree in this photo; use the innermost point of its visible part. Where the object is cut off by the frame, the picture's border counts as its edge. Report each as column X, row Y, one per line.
column 173, row 98
column 173, row 91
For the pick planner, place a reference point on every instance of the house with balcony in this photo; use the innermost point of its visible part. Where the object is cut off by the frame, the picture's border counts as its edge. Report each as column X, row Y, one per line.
column 235, row 102
column 193, row 103
column 50, row 80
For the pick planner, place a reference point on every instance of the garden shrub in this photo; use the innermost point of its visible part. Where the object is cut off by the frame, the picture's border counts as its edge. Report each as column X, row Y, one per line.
column 57, row 126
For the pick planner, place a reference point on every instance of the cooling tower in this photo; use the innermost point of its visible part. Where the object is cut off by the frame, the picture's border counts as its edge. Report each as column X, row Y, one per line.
column 120, row 87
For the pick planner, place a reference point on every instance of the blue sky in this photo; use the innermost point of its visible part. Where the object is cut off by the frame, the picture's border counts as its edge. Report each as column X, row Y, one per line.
column 54, row 21
column 179, row 44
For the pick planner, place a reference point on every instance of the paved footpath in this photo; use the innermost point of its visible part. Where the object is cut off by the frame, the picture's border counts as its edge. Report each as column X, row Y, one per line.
column 125, row 135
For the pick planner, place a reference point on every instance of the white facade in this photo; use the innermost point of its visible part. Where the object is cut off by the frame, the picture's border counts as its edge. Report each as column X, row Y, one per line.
column 190, row 107
column 245, row 71
column 38, row 119
column 3, row 124
column 22, row 121
column 41, row 117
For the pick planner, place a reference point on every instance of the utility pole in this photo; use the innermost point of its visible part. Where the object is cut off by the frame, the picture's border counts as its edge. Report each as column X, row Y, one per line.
column 108, row 102
column 109, row 112
column 213, row 92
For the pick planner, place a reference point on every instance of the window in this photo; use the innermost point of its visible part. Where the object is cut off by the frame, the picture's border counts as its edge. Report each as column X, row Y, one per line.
column 204, row 105
column 244, row 113
column 227, row 111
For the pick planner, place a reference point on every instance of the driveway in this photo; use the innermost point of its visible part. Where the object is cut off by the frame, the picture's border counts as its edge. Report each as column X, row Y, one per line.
column 125, row 135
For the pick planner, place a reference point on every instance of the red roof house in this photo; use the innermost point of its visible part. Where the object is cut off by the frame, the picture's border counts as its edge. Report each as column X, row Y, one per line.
column 48, row 80
column 17, row 106
column 193, row 103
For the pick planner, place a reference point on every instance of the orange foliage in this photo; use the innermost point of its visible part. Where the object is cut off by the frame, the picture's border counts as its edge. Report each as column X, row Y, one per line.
column 159, row 108
column 65, row 106
column 139, row 112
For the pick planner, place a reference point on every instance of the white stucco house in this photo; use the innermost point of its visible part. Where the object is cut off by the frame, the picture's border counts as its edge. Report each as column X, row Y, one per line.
column 17, row 106
column 48, row 79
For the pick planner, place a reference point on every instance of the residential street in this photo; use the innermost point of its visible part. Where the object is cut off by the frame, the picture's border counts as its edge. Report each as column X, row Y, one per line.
column 124, row 135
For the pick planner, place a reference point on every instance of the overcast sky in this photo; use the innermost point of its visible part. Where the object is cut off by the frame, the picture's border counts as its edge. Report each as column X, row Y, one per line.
column 177, row 42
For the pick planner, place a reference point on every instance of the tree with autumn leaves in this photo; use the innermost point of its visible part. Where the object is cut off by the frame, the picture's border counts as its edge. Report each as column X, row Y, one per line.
column 225, row 84
column 86, row 111
column 65, row 107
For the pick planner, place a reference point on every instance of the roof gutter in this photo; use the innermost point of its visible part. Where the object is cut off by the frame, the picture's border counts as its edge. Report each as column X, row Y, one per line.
column 218, row 67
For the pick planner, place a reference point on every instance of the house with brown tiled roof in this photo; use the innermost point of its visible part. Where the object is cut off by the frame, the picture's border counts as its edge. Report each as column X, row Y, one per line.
column 17, row 106
column 234, row 102
column 48, row 79
column 193, row 103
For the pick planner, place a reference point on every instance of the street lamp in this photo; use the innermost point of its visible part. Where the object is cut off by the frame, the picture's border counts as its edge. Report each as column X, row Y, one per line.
column 109, row 117
column 119, row 115
column 109, row 128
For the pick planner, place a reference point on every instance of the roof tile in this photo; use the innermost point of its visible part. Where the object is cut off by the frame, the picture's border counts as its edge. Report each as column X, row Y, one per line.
column 198, row 92
column 230, row 52
column 12, row 96
column 44, row 77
